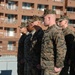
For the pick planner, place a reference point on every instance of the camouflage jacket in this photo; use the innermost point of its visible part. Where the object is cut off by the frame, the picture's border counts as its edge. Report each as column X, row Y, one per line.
column 53, row 47
column 67, row 31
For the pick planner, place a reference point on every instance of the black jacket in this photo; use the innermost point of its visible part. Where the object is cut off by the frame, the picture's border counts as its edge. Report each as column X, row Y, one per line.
column 32, row 48
column 20, row 54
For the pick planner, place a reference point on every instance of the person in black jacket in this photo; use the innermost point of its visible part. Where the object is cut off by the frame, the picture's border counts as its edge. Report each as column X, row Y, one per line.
column 33, row 47
column 20, row 55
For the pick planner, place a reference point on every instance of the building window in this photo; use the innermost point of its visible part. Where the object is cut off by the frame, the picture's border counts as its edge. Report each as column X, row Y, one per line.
column 1, row 28
column 72, row 0
column 10, row 32
column 1, row 45
column 58, row 0
column 25, row 18
column 1, row 31
column 11, row 18
column 72, row 22
column 27, row 5
column 42, row 7
column 11, row 5
column 2, row 3
column 1, row 16
column 70, row 9
column 58, row 9
column 10, row 45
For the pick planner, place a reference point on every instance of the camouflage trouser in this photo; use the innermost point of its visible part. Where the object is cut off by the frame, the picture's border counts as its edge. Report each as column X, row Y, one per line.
column 48, row 68
column 20, row 69
column 49, row 72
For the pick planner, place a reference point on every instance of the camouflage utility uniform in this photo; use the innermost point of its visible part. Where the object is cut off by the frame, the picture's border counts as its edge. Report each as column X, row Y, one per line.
column 53, row 50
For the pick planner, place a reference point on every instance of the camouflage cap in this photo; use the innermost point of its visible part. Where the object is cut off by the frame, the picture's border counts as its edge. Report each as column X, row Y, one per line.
column 23, row 24
column 48, row 11
column 63, row 18
column 36, row 18
column 30, row 21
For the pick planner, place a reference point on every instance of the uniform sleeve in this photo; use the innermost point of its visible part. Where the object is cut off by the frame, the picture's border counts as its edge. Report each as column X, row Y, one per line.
column 60, row 48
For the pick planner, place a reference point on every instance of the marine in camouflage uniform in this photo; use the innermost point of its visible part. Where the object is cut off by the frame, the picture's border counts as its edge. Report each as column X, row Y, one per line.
column 20, row 55
column 53, row 49
column 69, row 38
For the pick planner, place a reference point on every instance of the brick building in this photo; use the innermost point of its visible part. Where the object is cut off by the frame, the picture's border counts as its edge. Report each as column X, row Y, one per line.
column 13, row 12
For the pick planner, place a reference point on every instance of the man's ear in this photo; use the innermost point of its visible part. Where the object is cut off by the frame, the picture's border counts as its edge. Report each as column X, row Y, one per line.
column 66, row 22
column 48, row 18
